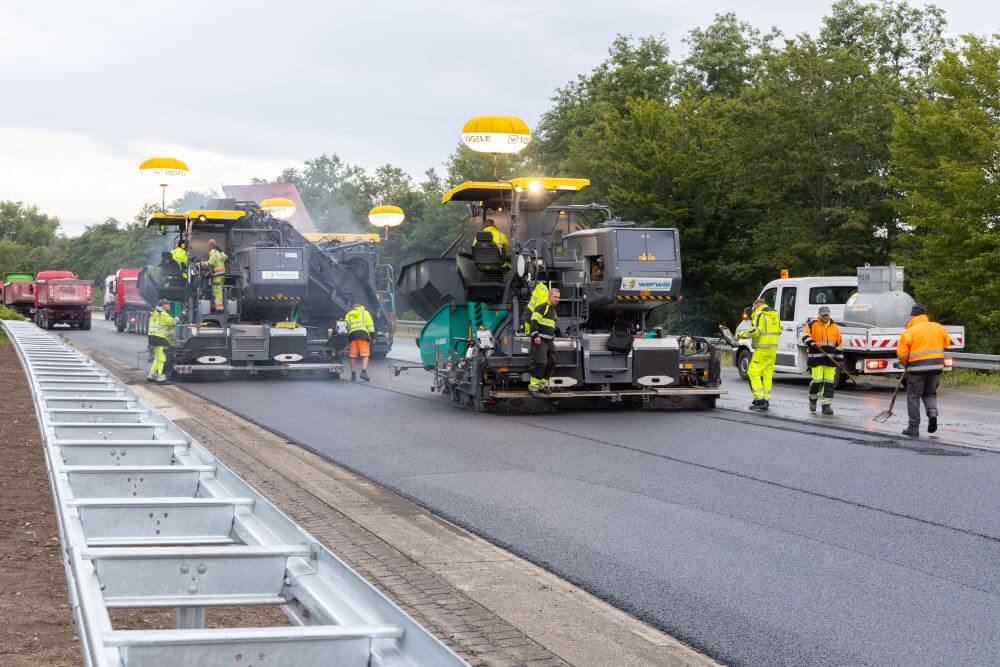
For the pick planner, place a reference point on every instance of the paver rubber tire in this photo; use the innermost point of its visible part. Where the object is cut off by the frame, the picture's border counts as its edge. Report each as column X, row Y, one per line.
column 743, row 362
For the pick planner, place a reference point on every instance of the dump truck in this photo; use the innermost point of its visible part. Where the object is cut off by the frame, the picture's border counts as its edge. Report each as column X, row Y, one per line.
column 130, row 311
column 19, row 292
column 613, row 275
column 62, row 298
column 871, row 308
column 284, row 299
column 361, row 254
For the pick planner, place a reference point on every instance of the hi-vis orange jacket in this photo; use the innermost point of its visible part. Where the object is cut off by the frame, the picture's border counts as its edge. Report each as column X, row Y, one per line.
column 922, row 345
column 827, row 337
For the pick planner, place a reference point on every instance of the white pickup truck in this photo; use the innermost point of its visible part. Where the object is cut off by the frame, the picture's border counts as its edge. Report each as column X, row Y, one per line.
column 871, row 318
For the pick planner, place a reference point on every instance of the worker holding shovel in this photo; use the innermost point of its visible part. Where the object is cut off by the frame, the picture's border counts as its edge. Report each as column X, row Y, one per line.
column 921, row 351
column 822, row 340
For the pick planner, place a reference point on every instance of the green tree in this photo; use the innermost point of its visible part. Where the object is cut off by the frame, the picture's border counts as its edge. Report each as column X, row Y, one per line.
column 26, row 225
column 723, row 57
column 947, row 168
column 634, row 69
column 890, row 34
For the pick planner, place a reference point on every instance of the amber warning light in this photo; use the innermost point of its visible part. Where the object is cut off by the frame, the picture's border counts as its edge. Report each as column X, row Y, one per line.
column 784, row 273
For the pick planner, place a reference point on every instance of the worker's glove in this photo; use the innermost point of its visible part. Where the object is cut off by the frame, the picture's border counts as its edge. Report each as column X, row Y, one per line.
column 815, row 346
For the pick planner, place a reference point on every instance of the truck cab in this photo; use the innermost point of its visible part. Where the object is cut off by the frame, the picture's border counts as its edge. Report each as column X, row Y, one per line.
column 109, row 297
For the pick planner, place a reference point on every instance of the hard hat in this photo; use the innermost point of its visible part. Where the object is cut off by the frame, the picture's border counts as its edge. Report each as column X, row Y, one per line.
column 824, row 310
column 918, row 309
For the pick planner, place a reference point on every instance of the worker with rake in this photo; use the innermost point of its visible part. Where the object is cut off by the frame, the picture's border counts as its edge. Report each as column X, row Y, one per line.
column 822, row 340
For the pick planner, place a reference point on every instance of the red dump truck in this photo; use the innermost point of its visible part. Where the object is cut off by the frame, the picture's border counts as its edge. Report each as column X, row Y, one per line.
column 131, row 312
column 19, row 292
column 61, row 297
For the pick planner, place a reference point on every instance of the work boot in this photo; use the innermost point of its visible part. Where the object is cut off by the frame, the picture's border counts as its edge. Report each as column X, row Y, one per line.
column 758, row 405
column 812, row 405
column 827, row 409
column 932, row 424
column 364, row 375
column 150, row 378
column 912, row 431
column 767, row 405
column 354, row 376
column 546, row 389
column 161, row 379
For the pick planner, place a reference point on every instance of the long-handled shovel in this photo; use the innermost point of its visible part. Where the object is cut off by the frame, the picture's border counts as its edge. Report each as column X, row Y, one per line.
column 860, row 385
column 884, row 416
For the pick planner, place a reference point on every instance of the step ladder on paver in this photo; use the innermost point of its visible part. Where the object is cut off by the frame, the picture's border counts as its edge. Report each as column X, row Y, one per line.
column 148, row 518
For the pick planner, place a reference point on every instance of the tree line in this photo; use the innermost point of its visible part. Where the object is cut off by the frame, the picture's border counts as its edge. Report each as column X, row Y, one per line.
column 875, row 139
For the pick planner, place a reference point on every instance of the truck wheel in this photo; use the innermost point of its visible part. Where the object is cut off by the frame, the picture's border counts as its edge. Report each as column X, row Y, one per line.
column 107, row 313
column 85, row 323
column 743, row 362
column 49, row 324
column 119, row 322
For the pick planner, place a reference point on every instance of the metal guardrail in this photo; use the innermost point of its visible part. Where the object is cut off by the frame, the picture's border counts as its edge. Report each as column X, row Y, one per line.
column 983, row 362
column 149, row 518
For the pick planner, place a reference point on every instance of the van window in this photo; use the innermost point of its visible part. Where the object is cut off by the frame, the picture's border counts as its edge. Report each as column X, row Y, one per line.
column 769, row 295
column 788, row 304
column 831, row 296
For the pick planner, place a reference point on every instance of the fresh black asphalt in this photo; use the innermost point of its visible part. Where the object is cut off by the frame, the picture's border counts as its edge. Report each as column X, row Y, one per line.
column 758, row 541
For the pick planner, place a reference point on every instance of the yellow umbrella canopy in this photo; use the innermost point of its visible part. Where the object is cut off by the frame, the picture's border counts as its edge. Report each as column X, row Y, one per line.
column 281, row 208
column 386, row 216
column 496, row 134
column 164, row 170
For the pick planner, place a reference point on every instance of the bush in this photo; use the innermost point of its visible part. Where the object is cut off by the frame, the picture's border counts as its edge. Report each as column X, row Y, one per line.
column 8, row 314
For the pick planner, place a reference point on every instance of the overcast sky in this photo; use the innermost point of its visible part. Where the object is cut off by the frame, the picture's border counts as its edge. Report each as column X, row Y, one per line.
column 242, row 89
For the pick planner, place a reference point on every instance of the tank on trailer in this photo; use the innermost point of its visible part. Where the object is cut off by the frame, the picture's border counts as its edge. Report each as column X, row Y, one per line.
column 880, row 300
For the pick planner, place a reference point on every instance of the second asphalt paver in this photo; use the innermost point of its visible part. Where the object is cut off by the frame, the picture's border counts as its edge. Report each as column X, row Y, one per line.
column 760, row 541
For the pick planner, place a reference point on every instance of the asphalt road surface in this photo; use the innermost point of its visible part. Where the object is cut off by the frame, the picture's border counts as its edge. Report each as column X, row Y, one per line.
column 761, row 541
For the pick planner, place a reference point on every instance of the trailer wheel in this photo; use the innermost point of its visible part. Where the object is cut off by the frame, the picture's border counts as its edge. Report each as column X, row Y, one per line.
column 743, row 362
